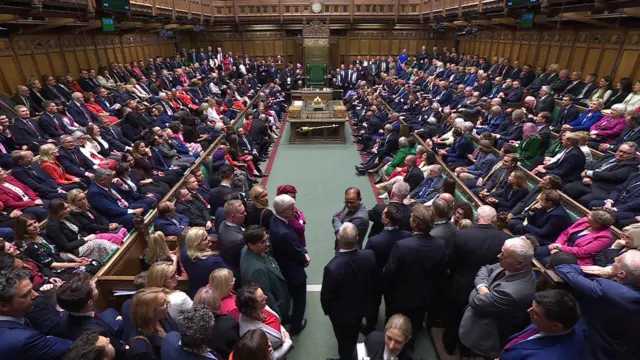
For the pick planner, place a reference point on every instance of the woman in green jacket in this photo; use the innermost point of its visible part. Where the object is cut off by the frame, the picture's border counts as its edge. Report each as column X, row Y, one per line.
column 529, row 146
column 398, row 160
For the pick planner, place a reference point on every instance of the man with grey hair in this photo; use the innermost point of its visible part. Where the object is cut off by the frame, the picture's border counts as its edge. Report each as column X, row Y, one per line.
column 472, row 249
column 610, row 307
column 109, row 203
column 399, row 192
column 79, row 111
column 351, row 289
column 291, row 257
column 545, row 102
column 503, row 293
column 429, row 188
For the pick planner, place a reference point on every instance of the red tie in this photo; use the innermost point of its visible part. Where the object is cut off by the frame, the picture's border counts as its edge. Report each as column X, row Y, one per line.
column 31, row 126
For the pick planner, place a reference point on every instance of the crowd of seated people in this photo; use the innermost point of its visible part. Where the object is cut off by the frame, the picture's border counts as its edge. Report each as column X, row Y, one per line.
column 84, row 162
column 247, row 298
column 496, row 127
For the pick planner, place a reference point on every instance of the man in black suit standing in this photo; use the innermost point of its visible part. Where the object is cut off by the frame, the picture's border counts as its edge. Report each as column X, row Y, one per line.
column 77, row 296
column 399, row 192
column 414, row 267
column 350, row 289
column 217, row 195
column 472, row 249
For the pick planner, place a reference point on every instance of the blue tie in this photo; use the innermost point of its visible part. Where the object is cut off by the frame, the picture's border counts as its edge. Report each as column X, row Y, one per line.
column 425, row 190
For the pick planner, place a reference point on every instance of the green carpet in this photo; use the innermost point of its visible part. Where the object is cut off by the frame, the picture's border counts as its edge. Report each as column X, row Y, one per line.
column 321, row 173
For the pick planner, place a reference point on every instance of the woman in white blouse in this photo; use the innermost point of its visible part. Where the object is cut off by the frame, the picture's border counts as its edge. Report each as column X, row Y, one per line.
column 209, row 109
column 99, row 144
column 633, row 100
column 163, row 275
column 105, row 80
column 604, row 90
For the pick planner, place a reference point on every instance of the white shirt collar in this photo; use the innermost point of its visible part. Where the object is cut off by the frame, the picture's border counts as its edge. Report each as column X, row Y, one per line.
column 87, row 314
column 347, row 250
column 12, row 319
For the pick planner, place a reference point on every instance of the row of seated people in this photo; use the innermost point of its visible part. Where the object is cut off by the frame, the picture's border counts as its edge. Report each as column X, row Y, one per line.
column 536, row 213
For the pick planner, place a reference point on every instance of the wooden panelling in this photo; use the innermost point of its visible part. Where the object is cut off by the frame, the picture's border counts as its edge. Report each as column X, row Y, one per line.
column 603, row 51
column 31, row 56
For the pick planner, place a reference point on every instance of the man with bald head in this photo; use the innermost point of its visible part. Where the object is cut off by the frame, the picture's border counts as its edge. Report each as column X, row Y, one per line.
column 503, row 293
column 414, row 174
column 610, row 307
column 351, row 289
column 353, row 212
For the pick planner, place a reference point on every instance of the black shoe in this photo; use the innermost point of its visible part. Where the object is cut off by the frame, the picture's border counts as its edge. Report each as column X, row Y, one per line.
column 303, row 325
column 361, row 171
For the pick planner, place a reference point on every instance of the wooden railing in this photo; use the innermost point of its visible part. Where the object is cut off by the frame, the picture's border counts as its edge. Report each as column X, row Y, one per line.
column 120, row 270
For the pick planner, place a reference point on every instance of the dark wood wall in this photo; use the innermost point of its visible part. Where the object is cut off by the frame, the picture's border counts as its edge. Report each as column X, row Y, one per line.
column 603, row 51
column 24, row 57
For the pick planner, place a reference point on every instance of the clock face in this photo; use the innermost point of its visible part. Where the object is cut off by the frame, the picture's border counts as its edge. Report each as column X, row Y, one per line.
column 316, row 7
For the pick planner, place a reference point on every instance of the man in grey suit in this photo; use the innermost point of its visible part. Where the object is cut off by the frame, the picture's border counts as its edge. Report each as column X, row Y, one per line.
column 498, row 305
column 353, row 212
column 230, row 234
column 257, row 266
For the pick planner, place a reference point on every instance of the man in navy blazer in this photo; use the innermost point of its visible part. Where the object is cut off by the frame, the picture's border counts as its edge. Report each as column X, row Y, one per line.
column 571, row 162
column 610, row 308
column 79, row 111
column 350, row 289
column 51, row 123
column 113, row 136
column 414, row 174
column 514, row 94
column 291, row 257
column 26, row 132
column 623, row 201
column 168, row 220
column 73, row 160
column 109, row 204
column 429, row 188
column 446, row 96
column 554, row 333
column 414, row 265
column 19, row 339
column 545, row 220
column 31, row 174
column 77, row 296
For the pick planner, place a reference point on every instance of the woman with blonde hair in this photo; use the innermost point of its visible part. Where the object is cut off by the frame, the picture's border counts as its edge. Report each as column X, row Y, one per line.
column 225, row 331
column 198, row 259
column 629, row 240
column 157, row 250
column 49, row 163
column 222, row 281
column 258, row 213
column 152, row 322
column 163, row 274
column 90, row 221
column 390, row 343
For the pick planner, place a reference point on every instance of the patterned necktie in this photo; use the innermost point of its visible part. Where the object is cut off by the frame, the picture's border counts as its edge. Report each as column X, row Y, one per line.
column 269, row 260
column 121, row 202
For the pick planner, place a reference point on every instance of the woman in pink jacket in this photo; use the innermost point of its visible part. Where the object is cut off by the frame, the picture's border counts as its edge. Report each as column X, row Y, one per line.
column 607, row 129
column 584, row 239
column 297, row 221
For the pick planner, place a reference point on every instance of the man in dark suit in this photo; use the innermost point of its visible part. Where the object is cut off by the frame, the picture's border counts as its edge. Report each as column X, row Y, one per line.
column 559, row 82
column 113, row 136
column 23, row 97
column 88, row 83
column 26, row 132
column 442, row 226
column 602, row 300
column 77, row 296
column 168, row 220
column 350, row 289
column 110, row 204
column 195, row 211
column 258, row 266
column 398, row 193
column 414, row 174
column 545, row 101
column 230, row 234
column 547, row 182
column 19, row 339
column 602, row 176
column 546, row 219
column 51, row 123
column 429, row 188
column 31, row 174
column 588, row 88
column 569, row 113
column 623, row 201
column 260, row 134
column 54, row 91
column 571, row 162
column 472, row 249
column 575, row 86
column 79, row 111
column 414, row 265
column 291, row 257
column 217, row 194
column 73, row 160
column 554, row 313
